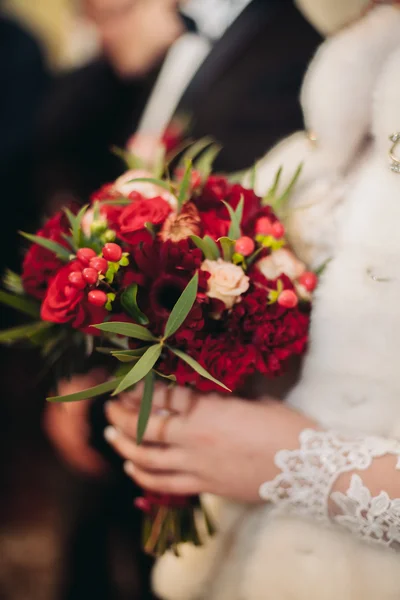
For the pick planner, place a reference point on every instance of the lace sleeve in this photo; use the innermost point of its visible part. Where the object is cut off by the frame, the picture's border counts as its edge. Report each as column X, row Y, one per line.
column 305, row 485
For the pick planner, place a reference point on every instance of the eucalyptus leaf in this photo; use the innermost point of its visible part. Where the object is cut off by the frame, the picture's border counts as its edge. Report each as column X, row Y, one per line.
column 227, row 246
column 183, row 307
column 117, row 202
column 92, row 392
column 197, row 367
column 213, row 247
column 145, row 407
column 23, row 304
column 185, row 183
column 127, row 329
column 141, row 368
column 130, row 305
column 23, row 332
column 169, row 377
column 60, row 251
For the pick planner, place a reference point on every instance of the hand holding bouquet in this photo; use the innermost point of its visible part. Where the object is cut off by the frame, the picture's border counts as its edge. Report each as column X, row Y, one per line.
column 188, row 279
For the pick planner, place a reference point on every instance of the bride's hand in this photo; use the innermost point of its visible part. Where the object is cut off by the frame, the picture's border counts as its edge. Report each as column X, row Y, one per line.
column 199, row 443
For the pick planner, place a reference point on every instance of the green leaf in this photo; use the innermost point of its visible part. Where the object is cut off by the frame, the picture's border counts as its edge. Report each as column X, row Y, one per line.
column 205, row 163
column 130, row 160
column 320, row 270
column 235, row 231
column 23, row 304
column 130, row 305
column 92, row 392
column 116, row 202
column 153, row 180
column 280, row 202
column 128, row 329
column 145, row 407
column 227, row 246
column 195, row 149
column 270, row 195
column 213, row 247
column 250, row 260
column 197, row 367
column 129, row 355
column 183, row 307
column 13, row 282
column 169, row 377
column 185, row 184
column 237, row 177
column 203, row 246
column 60, row 251
column 143, row 366
column 76, row 226
column 253, row 176
column 23, row 332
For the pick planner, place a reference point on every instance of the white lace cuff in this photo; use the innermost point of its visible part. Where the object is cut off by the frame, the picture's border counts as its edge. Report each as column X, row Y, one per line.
column 308, row 475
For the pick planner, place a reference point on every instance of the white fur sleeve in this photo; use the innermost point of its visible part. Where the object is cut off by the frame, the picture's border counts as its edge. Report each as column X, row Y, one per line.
column 308, row 476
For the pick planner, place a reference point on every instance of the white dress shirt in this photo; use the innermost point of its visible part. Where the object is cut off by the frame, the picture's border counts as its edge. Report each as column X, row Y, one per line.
column 212, row 17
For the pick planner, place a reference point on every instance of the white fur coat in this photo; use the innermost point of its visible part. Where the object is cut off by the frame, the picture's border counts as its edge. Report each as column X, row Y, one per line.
column 347, row 206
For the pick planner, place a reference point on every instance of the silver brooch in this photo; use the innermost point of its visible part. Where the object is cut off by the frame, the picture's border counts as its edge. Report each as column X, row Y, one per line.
column 394, row 160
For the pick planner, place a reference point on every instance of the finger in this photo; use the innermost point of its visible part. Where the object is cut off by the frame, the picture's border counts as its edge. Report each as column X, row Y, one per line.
column 161, row 428
column 149, row 458
column 179, row 484
column 175, row 399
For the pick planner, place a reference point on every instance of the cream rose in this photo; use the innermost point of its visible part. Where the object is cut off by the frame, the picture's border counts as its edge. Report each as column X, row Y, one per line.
column 125, row 186
column 227, row 282
column 281, row 262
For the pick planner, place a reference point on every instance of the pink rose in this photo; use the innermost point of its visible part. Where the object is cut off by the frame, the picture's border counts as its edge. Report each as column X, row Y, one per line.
column 227, row 282
column 281, row 262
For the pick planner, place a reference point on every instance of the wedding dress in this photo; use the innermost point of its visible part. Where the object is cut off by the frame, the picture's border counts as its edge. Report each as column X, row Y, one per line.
column 346, row 209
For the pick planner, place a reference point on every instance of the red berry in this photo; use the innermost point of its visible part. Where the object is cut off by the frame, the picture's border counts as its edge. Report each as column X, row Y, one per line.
column 90, row 275
column 278, row 230
column 143, row 504
column 97, row 297
column 84, row 255
column 112, row 252
column 288, row 299
column 245, row 246
column 99, row 264
column 264, row 226
column 76, row 279
column 309, row 281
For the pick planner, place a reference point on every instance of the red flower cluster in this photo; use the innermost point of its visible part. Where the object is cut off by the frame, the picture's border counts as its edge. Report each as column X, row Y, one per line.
column 237, row 325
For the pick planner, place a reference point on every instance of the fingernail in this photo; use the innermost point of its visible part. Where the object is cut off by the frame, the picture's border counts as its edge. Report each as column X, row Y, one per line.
column 129, row 468
column 111, row 434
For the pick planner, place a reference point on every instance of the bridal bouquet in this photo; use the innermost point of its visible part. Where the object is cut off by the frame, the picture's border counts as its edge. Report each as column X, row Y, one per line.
column 187, row 278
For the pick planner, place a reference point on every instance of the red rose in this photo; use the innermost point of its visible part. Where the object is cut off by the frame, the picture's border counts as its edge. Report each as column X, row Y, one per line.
column 66, row 304
column 134, row 217
column 41, row 265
